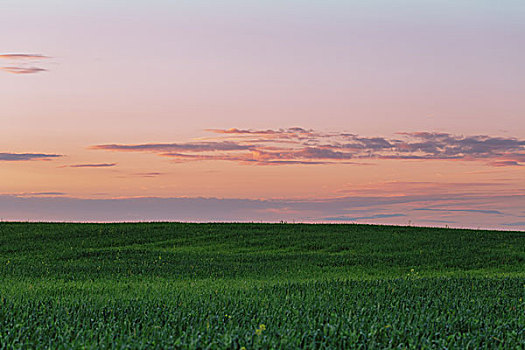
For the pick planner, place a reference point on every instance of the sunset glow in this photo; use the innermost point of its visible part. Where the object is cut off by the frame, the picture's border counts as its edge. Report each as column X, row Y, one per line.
column 312, row 111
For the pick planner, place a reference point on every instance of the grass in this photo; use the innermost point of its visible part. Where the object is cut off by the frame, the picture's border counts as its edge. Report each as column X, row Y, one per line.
column 174, row 285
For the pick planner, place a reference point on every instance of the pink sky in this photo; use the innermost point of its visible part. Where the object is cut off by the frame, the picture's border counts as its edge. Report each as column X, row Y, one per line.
column 378, row 111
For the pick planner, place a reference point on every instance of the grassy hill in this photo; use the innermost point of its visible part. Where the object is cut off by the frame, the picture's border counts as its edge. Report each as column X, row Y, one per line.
column 175, row 285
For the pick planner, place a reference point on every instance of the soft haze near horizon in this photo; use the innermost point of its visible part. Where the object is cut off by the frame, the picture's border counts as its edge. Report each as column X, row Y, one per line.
column 317, row 111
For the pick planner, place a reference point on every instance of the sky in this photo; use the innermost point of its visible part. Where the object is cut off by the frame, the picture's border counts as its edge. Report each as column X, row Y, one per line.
column 388, row 112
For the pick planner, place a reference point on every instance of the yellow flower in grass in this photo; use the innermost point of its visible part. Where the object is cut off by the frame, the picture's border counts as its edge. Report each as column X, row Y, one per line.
column 261, row 328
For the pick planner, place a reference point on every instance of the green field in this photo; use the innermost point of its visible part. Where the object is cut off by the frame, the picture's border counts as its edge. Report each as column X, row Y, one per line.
column 174, row 285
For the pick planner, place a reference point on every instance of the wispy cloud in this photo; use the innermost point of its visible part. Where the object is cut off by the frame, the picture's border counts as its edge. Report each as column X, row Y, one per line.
column 254, row 157
column 377, row 216
column 499, row 163
column 437, row 221
column 22, row 56
column 289, row 133
column 306, row 146
column 22, row 70
column 483, row 211
column 36, row 194
column 20, row 63
column 27, row 156
column 177, row 147
column 100, row 165
column 149, row 174
column 395, row 188
column 520, row 223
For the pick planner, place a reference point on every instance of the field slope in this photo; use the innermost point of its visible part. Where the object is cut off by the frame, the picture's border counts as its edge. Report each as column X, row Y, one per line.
column 177, row 285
